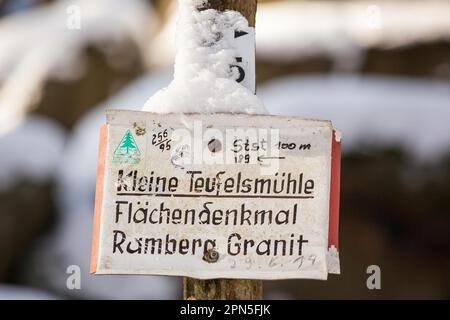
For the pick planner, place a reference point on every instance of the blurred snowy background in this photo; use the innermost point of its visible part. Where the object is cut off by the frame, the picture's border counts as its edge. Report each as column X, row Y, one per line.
column 380, row 70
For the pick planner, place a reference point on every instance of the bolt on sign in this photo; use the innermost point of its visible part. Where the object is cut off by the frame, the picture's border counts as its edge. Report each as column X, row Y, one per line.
column 217, row 196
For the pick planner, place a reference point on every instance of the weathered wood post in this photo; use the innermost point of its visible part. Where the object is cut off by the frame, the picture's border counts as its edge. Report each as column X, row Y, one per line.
column 226, row 289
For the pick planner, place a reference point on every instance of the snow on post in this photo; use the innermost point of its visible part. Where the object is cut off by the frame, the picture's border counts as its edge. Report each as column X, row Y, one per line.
column 214, row 49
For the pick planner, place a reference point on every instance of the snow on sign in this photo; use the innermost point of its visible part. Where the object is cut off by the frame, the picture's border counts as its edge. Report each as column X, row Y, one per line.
column 217, row 196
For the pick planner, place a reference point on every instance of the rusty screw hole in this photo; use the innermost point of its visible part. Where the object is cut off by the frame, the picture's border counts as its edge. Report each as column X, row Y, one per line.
column 214, row 145
column 211, row 256
column 139, row 131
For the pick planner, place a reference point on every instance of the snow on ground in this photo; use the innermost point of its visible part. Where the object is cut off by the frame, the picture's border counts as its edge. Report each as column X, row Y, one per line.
column 342, row 31
column 337, row 29
column 203, row 80
column 71, row 243
column 43, row 43
column 9, row 292
column 32, row 151
column 412, row 113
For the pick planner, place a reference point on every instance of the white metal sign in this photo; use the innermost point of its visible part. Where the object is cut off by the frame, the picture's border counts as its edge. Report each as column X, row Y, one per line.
column 216, row 196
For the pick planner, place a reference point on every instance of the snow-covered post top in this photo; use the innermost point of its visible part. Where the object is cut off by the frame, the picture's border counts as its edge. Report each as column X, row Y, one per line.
column 214, row 65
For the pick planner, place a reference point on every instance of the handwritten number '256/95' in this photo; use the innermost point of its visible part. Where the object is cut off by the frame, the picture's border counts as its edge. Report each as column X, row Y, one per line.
column 160, row 140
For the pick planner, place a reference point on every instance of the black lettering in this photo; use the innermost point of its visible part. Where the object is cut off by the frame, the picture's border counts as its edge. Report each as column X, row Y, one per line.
column 236, row 246
column 117, row 243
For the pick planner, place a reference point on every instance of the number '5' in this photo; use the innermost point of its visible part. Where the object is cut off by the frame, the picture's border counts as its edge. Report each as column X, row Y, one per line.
column 240, row 69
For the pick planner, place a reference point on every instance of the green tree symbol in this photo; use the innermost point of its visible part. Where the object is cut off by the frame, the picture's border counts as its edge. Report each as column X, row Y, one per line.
column 128, row 144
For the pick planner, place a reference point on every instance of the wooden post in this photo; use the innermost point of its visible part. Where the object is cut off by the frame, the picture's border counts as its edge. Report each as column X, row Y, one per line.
column 226, row 289
column 246, row 7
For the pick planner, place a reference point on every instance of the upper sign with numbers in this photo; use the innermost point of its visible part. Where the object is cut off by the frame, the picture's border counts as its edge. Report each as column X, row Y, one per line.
column 216, row 196
column 245, row 61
